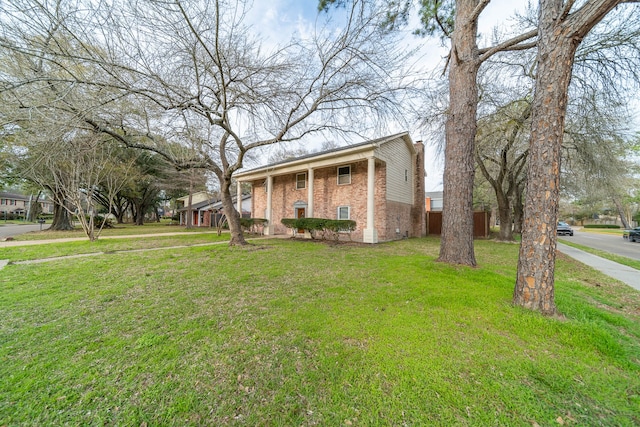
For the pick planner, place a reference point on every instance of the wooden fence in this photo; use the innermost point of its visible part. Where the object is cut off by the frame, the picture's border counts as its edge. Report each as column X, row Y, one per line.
column 480, row 223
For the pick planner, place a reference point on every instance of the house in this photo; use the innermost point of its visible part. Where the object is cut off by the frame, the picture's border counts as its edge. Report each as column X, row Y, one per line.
column 200, row 196
column 434, row 201
column 379, row 184
column 206, row 212
column 12, row 203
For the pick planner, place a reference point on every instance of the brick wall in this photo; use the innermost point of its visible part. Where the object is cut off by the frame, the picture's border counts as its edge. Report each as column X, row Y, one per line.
column 328, row 195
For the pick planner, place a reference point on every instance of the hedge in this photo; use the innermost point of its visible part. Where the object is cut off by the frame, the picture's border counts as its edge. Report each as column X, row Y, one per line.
column 602, row 226
column 315, row 225
column 250, row 223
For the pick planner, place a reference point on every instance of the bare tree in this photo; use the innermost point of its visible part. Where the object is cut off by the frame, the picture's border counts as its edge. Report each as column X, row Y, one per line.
column 193, row 73
column 74, row 165
column 501, row 156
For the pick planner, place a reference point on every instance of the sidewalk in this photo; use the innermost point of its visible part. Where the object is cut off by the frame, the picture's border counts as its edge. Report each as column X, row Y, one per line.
column 625, row 274
column 13, row 243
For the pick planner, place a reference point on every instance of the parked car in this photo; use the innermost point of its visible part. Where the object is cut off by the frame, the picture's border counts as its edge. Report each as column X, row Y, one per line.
column 563, row 229
column 632, row 235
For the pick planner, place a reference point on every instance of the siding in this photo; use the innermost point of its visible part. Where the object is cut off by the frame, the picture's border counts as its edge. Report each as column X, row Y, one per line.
column 398, row 159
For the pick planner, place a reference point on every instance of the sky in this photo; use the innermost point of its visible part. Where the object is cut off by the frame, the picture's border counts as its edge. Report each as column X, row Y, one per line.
column 278, row 20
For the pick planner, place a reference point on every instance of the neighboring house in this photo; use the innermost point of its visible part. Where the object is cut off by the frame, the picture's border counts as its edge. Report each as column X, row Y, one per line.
column 200, row 196
column 18, row 204
column 433, row 201
column 206, row 212
column 379, row 184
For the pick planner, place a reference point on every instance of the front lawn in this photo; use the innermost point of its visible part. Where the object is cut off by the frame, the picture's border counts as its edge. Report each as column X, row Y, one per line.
column 306, row 333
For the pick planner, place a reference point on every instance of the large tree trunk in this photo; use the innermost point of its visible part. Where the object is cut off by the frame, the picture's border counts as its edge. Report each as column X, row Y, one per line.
column 536, row 264
column 559, row 34
column 61, row 217
column 139, row 214
column 456, row 246
column 233, row 217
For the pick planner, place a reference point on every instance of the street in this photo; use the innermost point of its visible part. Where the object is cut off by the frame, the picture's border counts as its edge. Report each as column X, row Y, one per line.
column 14, row 230
column 614, row 244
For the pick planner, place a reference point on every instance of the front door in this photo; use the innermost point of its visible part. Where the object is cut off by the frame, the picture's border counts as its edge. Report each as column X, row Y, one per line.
column 300, row 213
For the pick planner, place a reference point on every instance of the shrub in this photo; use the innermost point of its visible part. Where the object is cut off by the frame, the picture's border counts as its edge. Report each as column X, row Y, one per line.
column 602, row 226
column 101, row 222
column 315, row 225
column 250, row 223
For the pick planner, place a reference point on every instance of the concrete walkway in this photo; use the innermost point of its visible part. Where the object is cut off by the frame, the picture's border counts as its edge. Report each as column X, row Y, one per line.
column 625, row 274
column 13, row 243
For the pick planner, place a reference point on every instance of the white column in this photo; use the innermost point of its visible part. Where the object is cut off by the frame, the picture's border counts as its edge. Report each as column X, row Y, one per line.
column 239, row 198
column 268, row 229
column 310, row 193
column 370, row 234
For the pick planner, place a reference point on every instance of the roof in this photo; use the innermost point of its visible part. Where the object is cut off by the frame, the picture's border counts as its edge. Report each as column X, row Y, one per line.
column 186, row 198
column 15, row 196
column 208, row 204
column 333, row 153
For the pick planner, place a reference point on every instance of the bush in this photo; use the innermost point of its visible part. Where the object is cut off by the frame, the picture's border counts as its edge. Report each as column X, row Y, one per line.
column 250, row 223
column 315, row 225
column 101, row 222
column 338, row 225
column 602, row 226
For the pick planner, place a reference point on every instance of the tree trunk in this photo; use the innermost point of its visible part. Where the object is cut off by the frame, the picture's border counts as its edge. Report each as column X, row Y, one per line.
column 623, row 217
column 456, row 246
column 518, row 209
column 559, row 35
column 506, row 219
column 189, row 214
column 233, row 218
column 536, row 263
column 35, row 209
column 61, row 217
column 139, row 214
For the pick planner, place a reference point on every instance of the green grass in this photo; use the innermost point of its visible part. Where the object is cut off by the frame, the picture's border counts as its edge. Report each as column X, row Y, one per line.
column 633, row 263
column 616, row 231
column 305, row 333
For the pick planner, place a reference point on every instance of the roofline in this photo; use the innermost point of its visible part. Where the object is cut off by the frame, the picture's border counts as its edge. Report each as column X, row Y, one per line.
column 349, row 149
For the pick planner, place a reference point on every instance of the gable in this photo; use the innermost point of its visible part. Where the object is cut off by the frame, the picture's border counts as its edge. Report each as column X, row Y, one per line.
column 400, row 170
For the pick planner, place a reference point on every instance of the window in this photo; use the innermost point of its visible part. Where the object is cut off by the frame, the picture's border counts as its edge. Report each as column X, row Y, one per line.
column 301, row 181
column 344, row 212
column 344, row 175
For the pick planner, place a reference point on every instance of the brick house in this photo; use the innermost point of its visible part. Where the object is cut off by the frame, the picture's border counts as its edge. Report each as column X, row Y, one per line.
column 18, row 204
column 379, row 184
column 206, row 212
